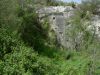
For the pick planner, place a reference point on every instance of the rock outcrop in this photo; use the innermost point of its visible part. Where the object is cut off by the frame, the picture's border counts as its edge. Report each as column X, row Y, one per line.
column 58, row 17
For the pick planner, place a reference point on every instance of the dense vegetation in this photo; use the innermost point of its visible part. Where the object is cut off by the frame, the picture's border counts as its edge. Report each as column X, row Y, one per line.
column 26, row 48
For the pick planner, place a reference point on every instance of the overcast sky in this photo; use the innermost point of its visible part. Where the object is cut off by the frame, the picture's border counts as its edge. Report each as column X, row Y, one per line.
column 78, row 1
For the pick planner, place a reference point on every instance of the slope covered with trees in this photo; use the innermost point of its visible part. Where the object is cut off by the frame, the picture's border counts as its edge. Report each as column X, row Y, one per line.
column 24, row 43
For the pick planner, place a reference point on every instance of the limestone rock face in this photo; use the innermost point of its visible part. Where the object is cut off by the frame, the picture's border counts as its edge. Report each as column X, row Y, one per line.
column 57, row 18
column 96, row 24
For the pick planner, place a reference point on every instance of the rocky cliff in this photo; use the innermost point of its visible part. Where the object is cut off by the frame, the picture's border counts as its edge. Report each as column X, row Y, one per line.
column 58, row 17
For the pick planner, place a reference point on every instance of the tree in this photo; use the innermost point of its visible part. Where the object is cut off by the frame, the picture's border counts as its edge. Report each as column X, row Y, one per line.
column 8, row 13
column 90, row 5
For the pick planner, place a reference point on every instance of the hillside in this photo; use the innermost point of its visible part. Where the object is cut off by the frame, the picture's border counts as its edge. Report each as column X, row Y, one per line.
column 49, row 37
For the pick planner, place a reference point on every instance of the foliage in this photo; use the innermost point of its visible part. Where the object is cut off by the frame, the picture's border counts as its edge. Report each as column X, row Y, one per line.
column 19, row 59
column 90, row 5
column 81, row 37
column 73, row 4
column 52, row 2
